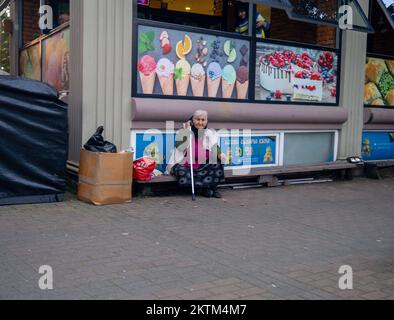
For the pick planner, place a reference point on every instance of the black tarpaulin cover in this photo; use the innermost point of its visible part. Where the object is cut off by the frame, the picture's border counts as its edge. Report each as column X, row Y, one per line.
column 33, row 142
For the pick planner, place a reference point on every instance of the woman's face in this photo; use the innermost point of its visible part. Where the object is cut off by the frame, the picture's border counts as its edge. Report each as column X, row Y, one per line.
column 200, row 122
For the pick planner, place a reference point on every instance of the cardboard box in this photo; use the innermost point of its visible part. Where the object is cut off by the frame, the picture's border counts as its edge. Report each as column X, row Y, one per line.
column 105, row 178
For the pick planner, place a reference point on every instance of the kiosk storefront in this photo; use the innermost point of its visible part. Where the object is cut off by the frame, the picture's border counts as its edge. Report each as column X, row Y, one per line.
column 284, row 87
column 135, row 65
column 378, row 135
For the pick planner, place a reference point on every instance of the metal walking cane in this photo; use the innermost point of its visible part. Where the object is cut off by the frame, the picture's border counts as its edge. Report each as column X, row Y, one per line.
column 191, row 166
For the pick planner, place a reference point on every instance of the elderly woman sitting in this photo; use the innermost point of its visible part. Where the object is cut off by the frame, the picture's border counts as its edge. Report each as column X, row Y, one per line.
column 207, row 157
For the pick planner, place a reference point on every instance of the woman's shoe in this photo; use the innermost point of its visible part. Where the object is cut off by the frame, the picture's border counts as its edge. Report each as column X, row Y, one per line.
column 217, row 194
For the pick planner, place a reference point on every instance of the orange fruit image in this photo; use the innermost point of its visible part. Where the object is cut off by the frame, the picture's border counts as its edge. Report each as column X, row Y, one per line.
column 187, row 44
column 184, row 47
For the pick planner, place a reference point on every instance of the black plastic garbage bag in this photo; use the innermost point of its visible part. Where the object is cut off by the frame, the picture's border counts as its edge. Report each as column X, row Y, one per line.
column 97, row 143
column 33, row 142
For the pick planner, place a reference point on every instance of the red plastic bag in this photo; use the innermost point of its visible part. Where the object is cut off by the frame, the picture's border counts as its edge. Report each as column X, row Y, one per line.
column 143, row 169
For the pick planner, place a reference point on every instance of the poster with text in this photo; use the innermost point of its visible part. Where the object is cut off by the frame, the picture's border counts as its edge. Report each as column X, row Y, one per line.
column 254, row 151
column 158, row 146
column 286, row 74
column 188, row 64
column 30, row 62
column 378, row 146
column 56, row 53
column 379, row 82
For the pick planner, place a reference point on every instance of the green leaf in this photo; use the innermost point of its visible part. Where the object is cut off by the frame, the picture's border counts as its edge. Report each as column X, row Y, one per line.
column 150, row 47
column 143, row 37
column 142, row 47
column 178, row 74
column 150, row 35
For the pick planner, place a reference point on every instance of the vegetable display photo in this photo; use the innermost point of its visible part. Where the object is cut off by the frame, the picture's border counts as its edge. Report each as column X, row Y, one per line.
column 188, row 64
column 285, row 73
column 379, row 82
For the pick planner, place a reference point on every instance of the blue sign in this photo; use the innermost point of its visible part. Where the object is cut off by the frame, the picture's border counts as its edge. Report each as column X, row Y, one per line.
column 158, row 146
column 378, row 146
column 256, row 151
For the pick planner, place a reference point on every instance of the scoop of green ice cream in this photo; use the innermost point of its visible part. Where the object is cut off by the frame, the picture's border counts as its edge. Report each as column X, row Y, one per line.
column 229, row 74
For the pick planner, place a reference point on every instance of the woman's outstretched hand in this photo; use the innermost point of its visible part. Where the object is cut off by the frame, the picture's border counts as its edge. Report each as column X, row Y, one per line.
column 187, row 125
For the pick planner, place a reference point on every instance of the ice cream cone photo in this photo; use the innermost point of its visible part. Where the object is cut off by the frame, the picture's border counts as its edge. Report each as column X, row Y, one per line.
column 214, row 77
column 198, row 86
column 228, row 81
column 227, row 89
column 182, row 85
column 147, row 82
column 165, row 72
column 146, row 68
column 182, row 77
column 242, row 82
column 167, row 85
column 197, row 80
column 242, row 89
column 213, row 87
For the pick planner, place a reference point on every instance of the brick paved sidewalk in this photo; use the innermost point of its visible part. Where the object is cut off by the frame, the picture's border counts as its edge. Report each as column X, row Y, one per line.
column 281, row 243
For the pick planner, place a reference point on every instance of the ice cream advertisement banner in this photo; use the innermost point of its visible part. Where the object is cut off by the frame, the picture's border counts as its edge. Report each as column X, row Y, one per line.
column 56, row 53
column 256, row 150
column 379, row 82
column 253, row 151
column 285, row 73
column 178, row 63
column 378, row 146
column 30, row 62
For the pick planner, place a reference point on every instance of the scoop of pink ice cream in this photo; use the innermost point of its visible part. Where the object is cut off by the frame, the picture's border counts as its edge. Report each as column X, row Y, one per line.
column 147, row 65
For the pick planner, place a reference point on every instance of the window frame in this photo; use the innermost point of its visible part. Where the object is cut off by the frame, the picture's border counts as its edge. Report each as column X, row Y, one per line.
column 383, row 57
column 334, row 23
column 370, row 54
column 39, row 41
column 253, row 40
column 384, row 9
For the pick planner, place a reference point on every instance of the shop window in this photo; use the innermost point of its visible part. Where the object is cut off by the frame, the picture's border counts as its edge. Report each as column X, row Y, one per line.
column 309, row 148
column 382, row 41
column 61, row 12
column 283, row 28
column 293, row 62
column 272, row 21
column 31, row 16
column 388, row 8
column 30, row 20
column 379, row 69
column 327, row 12
column 195, row 13
column 4, row 41
column 45, row 57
